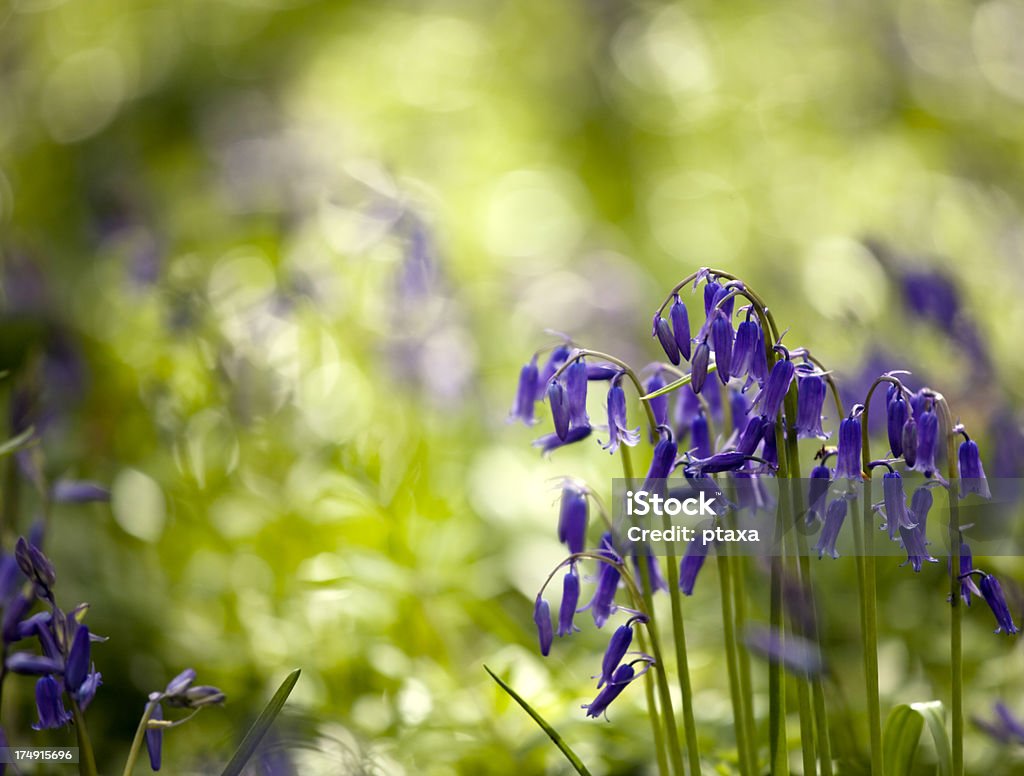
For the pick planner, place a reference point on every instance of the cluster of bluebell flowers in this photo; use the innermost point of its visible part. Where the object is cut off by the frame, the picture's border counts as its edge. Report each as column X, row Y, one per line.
column 727, row 423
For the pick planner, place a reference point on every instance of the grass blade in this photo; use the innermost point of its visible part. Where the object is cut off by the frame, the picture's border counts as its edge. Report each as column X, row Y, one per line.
column 570, row 755
column 261, row 725
column 902, row 735
column 14, row 444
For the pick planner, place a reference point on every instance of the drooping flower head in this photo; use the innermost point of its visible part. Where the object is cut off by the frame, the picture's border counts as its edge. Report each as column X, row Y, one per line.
column 972, row 473
column 623, row 675
column 551, row 442
column 817, row 491
column 896, row 417
column 659, row 404
column 699, row 366
column 559, row 355
column 927, row 442
column 618, row 645
column 834, row 517
column 774, row 392
column 570, row 600
column 558, row 400
column 810, row 400
column 700, row 437
column 602, row 604
column 666, row 338
column 526, row 394
column 993, row 594
column 894, row 496
column 721, row 341
column 848, row 455
column 745, row 349
column 576, row 394
column 573, row 516
column 680, row 326
column 691, row 564
column 618, row 431
column 542, row 619
column 49, row 705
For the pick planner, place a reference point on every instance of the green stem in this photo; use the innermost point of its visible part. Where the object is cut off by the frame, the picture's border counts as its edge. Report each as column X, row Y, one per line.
column 869, row 581
column 86, row 758
column 140, row 734
column 667, row 712
column 682, row 661
column 652, row 712
column 732, row 660
column 739, row 589
column 956, row 657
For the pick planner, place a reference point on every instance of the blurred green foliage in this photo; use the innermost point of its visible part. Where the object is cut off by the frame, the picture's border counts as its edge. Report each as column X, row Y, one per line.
column 295, row 252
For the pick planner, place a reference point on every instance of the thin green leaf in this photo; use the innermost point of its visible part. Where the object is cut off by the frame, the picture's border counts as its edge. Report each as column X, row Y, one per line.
column 14, row 444
column 261, row 725
column 934, row 714
column 674, row 385
column 570, row 755
column 902, row 735
column 899, row 740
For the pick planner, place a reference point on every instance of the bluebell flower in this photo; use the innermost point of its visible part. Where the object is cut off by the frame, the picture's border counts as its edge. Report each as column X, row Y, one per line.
column 551, row 442
column 992, row 592
column 662, row 463
column 967, row 585
column 576, row 393
column 751, row 494
column 155, row 739
column 618, row 432
column 711, row 290
column 617, row 648
column 559, row 403
column 896, row 515
column 896, row 417
column 687, row 407
column 795, row 653
column 35, row 565
column 542, row 618
column 739, row 409
column 770, row 451
column 680, row 327
column 570, row 600
column 721, row 341
column 908, row 441
column 78, row 492
column 558, row 357
column 834, row 517
column 659, row 404
column 848, row 456
column 927, row 442
column 752, row 434
column 699, row 366
column 691, row 564
column 77, row 668
column 654, row 575
column 1006, row 729
column 180, row 683
column 746, row 347
column 573, row 516
column 602, row 371
column 817, row 492
column 623, row 675
column 602, row 604
column 721, row 293
column 774, row 392
column 700, row 437
column 87, row 690
column 728, row 461
column 810, row 400
column 49, row 705
column 972, row 473
column 666, row 338
column 31, row 664
column 15, row 609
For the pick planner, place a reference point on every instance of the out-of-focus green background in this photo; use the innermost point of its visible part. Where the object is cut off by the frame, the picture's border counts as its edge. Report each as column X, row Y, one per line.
column 276, row 265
